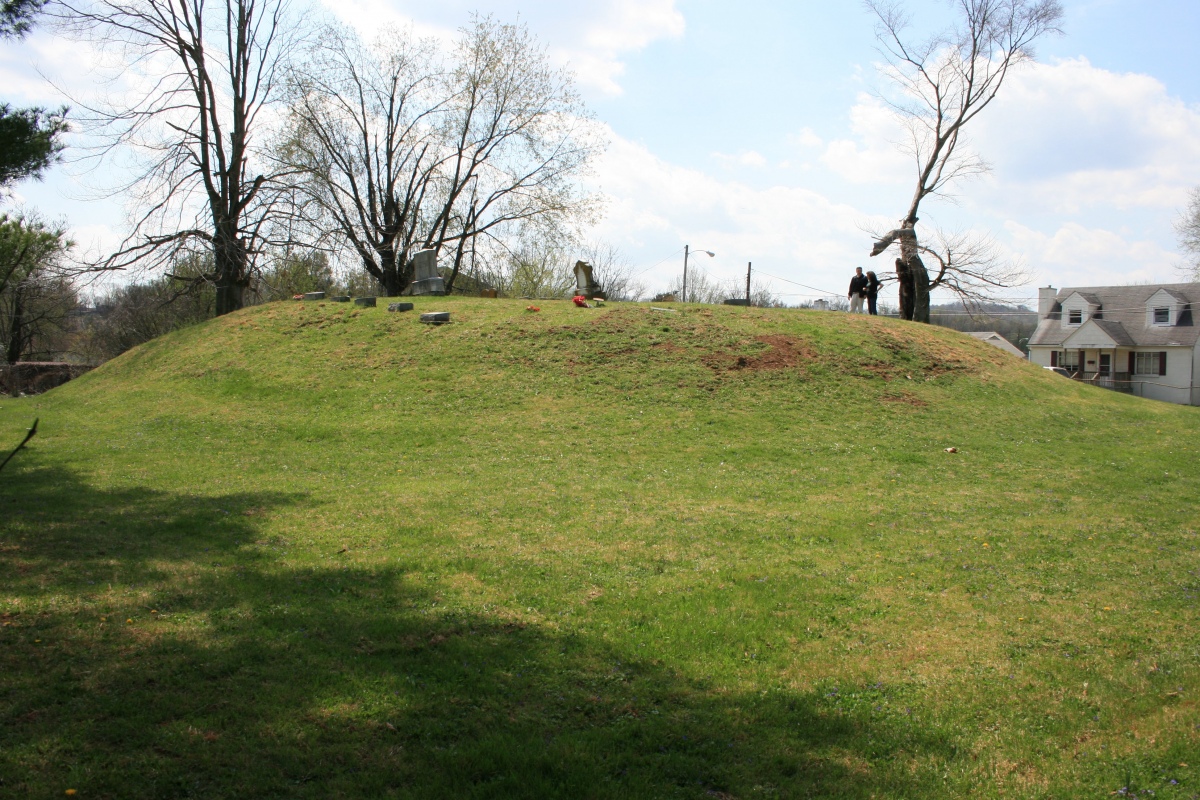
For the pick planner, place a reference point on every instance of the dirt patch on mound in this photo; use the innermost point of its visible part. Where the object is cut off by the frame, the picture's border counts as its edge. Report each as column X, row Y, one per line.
column 783, row 352
column 905, row 398
column 926, row 355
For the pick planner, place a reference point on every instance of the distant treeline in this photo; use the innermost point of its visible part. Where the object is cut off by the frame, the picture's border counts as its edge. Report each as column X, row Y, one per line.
column 1014, row 323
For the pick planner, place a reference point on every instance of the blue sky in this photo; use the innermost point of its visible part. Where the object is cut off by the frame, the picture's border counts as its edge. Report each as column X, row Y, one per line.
column 751, row 129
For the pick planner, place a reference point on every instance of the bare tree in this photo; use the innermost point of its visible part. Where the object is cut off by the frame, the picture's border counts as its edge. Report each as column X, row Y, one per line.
column 1188, row 228
column 945, row 82
column 405, row 148
column 204, row 74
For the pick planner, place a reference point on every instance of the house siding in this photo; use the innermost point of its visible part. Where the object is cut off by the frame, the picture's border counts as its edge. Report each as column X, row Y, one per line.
column 1195, row 373
column 1176, row 385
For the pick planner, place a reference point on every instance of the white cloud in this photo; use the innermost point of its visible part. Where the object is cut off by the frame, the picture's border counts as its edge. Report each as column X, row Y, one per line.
column 594, row 39
column 656, row 207
column 1061, row 137
column 807, row 137
column 617, row 27
column 748, row 158
column 1070, row 136
column 873, row 155
column 1074, row 255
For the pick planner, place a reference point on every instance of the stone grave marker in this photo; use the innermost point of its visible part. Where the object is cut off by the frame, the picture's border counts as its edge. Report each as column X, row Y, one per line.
column 436, row 317
column 314, row 295
column 585, row 284
column 426, row 280
column 400, row 306
column 365, row 302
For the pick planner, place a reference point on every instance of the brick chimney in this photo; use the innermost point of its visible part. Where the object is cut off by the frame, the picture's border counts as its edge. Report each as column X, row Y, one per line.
column 1046, row 297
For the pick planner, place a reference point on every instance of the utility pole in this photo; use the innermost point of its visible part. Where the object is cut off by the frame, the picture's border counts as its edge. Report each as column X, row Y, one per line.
column 685, row 260
column 687, row 250
column 748, row 265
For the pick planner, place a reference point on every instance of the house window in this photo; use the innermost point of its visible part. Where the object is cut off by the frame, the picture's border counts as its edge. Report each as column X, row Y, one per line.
column 1070, row 360
column 1075, row 317
column 1150, row 363
column 1162, row 316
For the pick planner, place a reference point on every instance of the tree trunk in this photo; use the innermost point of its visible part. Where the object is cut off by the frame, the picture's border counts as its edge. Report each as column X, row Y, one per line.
column 391, row 283
column 13, row 352
column 920, row 283
column 913, row 277
column 229, row 258
column 904, row 284
column 458, row 258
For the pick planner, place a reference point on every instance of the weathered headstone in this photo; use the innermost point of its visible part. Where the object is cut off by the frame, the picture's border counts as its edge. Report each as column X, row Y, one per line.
column 340, row 298
column 426, row 280
column 585, row 284
column 737, row 301
column 488, row 293
column 400, row 306
column 314, row 295
column 436, row 317
column 365, row 302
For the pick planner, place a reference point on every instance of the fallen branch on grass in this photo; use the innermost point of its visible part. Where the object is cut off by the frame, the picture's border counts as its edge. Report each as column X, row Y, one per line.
column 28, row 436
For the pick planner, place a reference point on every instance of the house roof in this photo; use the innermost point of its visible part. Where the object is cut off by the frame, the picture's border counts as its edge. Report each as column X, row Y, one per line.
column 1124, row 317
column 996, row 340
column 1174, row 294
column 1086, row 295
column 1116, row 331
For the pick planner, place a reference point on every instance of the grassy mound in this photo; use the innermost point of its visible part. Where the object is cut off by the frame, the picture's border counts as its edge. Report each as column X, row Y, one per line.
column 318, row 551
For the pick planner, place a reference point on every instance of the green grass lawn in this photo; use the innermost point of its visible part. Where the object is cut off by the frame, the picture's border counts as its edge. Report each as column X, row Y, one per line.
column 316, row 551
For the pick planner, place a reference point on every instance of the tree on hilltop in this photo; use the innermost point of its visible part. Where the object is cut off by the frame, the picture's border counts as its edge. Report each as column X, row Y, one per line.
column 403, row 147
column 944, row 82
column 190, row 133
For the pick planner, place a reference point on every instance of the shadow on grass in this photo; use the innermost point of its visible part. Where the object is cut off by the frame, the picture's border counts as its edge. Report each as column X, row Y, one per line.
column 239, row 676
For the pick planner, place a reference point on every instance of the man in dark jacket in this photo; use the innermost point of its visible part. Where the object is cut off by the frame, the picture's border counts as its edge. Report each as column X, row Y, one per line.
column 858, row 291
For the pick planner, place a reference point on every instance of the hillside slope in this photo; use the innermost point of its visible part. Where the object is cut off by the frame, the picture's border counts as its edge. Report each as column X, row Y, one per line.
column 610, row 552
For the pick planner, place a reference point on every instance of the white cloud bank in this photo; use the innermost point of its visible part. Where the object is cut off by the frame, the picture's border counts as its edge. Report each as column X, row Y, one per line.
column 655, row 207
column 593, row 38
column 1090, row 168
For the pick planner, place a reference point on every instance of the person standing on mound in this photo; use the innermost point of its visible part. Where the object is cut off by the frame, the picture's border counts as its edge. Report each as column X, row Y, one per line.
column 858, row 291
column 873, row 284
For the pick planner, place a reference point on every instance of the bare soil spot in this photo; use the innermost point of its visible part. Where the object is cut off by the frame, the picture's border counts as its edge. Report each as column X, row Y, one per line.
column 783, row 352
column 905, row 398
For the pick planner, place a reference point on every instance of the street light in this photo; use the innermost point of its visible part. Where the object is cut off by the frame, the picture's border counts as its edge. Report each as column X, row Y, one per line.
column 686, row 252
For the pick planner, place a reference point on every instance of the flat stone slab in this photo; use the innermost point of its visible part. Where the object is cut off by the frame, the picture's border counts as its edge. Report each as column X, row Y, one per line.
column 436, row 317
column 340, row 298
column 314, row 296
column 400, row 306
column 365, row 302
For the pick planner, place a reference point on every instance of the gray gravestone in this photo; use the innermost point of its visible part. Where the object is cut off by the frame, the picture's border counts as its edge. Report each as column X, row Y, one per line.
column 314, row 296
column 436, row 317
column 400, row 306
column 365, row 302
column 340, row 298
column 426, row 280
column 585, row 284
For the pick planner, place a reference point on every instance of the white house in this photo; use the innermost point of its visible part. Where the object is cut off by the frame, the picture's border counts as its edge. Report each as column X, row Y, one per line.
column 998, row 341
column 1137, row 339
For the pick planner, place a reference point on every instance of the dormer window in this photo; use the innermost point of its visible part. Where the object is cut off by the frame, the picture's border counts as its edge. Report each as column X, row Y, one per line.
column 1075, row 317
column 1162, row 316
